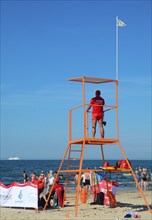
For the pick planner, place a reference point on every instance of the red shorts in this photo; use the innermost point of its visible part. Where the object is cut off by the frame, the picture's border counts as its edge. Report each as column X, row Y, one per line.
column 97, row 116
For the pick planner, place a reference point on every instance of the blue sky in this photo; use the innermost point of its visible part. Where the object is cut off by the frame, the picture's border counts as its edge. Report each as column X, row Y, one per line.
column 43, row 43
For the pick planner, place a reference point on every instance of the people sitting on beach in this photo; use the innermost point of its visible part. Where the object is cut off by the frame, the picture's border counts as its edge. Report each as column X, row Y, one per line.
column 25, row 176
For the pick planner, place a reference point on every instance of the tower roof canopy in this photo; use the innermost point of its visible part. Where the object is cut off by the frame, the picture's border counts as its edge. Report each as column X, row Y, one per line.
column 87, row 79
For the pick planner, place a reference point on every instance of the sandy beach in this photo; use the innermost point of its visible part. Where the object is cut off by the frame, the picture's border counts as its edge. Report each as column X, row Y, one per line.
column 129, row 200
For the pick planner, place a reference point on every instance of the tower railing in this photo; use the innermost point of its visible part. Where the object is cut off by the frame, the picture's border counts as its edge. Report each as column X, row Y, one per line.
column 85, row 123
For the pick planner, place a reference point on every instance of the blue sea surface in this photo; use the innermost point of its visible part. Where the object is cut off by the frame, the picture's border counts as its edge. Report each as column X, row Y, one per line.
column 12, row 170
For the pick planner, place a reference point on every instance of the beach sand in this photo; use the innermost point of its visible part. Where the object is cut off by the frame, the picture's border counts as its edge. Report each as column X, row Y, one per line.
column 127, row 200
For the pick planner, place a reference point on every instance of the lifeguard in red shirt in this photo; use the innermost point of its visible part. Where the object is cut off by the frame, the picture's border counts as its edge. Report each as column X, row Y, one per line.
column 97, row 104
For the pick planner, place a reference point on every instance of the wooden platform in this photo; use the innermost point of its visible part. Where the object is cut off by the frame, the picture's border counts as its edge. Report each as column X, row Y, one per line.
column 94, row 141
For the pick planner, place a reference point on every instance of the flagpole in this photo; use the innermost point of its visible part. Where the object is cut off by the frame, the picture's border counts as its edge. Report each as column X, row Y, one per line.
column 117, row 48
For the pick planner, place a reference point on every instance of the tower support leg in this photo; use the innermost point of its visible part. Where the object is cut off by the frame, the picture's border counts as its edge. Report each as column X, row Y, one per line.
column 138, row 185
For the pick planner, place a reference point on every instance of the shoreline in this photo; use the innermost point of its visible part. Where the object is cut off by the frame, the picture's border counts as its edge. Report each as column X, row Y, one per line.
column 130, row 200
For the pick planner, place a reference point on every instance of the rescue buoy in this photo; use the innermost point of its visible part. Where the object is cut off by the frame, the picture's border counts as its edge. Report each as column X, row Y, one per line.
column 84, row 195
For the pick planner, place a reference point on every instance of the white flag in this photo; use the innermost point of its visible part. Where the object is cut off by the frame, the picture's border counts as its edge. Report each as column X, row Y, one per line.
column 120, row 23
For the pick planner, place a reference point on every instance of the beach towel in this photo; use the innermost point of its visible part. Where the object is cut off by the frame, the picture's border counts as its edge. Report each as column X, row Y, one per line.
column 94, row 183
column 96, row 177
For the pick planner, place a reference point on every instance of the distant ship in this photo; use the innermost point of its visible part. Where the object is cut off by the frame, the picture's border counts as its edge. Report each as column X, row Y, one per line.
column 13, row 158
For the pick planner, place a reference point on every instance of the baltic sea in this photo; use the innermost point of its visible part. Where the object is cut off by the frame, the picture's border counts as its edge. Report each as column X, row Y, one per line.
column 12, row 170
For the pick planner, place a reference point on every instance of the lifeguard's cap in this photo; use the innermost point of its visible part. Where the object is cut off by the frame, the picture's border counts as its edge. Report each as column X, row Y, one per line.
column 98, row 92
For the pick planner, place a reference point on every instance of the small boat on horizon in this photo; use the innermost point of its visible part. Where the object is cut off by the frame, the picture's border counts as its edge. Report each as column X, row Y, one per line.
column 13, row 158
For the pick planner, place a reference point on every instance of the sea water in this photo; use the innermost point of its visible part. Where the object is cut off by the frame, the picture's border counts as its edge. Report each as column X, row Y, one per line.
column 12, row 170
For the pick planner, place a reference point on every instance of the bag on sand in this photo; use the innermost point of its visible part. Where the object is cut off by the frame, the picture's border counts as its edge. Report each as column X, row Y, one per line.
column 112, row 200
column 99, row 200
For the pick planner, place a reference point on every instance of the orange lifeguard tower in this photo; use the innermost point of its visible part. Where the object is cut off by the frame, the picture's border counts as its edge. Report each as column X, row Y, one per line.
column 72, row 161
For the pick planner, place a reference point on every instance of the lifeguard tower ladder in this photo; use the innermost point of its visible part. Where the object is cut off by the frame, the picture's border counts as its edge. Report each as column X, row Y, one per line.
column 72, row 161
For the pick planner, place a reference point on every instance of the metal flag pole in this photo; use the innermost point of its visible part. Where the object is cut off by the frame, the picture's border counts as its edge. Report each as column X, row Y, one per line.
column 117, row 48
column 119, row 23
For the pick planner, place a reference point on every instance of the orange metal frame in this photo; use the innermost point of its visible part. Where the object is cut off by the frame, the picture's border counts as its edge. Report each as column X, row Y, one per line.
column 85, row 140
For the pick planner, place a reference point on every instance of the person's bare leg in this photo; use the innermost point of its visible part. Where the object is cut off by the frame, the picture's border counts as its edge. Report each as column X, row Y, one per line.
column 94, row 123
column 101, row 128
